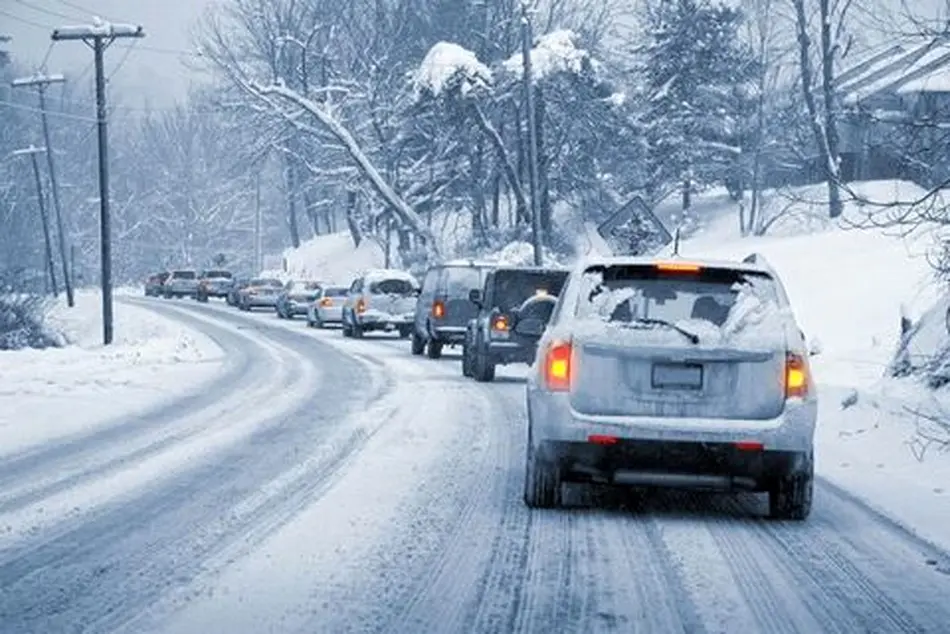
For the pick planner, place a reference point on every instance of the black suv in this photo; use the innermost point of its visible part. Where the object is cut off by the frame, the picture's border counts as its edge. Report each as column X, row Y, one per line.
column 444, row 308
column 509, row 293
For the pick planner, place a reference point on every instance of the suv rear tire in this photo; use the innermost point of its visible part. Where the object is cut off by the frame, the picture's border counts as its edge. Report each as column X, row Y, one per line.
column 466, row 359
column 790, row 497
column 434, row 349
column 418, row 343
column 483, row 370
column 542, row 482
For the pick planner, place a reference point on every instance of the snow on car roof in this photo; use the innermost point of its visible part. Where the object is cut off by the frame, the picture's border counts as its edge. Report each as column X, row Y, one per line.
column 389, row 274
column 630, row 260
column 475, row 263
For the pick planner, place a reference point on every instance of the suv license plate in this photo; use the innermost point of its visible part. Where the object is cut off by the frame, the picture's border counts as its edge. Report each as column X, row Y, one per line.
column 677, row 376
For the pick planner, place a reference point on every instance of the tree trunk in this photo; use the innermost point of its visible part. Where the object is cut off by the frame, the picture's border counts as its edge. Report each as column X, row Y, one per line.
column 290, row 172
column 496, row 200
column 352, row 225
column 544, row 184
column 513, row 181
column 821, row 139
column 828, row 51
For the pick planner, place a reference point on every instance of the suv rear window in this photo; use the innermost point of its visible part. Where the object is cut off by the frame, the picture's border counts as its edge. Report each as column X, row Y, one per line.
column 627, row 293
column 460, row 280
column 512, row 288
column 392, row 286
column 184, row 275
column 265, row 282
column 217, row 275
column 336, row 291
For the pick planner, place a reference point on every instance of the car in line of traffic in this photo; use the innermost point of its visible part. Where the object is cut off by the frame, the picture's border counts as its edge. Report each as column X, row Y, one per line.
column 643, row 372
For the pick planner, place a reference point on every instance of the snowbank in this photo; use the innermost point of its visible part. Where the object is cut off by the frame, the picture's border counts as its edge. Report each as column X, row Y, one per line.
column 847, row 287
column 333, row 258
column 45, row 394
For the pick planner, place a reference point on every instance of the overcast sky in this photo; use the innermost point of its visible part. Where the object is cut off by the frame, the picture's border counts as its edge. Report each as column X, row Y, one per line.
column 151, row 73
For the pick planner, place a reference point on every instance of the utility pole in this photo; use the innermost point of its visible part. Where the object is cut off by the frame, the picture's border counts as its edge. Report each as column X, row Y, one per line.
column 41, row 82
column 99, row 36
column 527, row 41
column 50, row 267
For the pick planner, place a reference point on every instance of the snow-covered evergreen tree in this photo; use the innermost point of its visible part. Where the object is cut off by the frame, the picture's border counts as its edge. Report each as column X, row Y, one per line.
column 698, row 82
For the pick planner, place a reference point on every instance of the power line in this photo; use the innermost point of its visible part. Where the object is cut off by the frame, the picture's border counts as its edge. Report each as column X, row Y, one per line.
column 124, row 58
column 52, row 113
column 50, row 12
column 87, row 12
column 24, row 20
column 152, row 49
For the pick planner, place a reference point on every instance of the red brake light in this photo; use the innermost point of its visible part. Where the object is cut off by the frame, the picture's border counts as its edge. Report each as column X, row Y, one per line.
column 326, row 301
column 796, row 376
column 361, row 305
column 558, row 366
column 438, row 309
column 499, row 323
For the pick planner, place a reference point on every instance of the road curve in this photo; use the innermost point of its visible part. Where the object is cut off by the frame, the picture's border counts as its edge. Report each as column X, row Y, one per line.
column 207, row 463
column 393, row 505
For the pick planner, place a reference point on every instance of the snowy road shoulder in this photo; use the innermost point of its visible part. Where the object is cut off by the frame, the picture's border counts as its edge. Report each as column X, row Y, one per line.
column 875, row 447
column 49, row 394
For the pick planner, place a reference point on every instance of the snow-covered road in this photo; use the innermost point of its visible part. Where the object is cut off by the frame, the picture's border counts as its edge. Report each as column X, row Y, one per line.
column 331, row 485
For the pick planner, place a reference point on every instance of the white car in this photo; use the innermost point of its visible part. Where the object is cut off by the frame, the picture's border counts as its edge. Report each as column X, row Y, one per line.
column 672, row 374
column 327, row 308
column 380, row 299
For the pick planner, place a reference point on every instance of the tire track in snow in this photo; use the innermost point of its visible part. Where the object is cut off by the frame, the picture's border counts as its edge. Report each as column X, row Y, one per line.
column 113, row 564
column 33, row 462
column 69, row 471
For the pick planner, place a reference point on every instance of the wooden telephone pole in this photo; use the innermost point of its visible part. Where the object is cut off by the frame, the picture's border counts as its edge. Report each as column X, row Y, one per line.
column 40, row 82
column 41, row 202
column 98, row 36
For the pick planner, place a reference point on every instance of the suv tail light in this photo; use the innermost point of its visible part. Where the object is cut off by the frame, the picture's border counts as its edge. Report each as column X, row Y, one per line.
column 500, row 323
column 326, row 302
column 361, row 305
column 438, row 309
column 558, row 366
column 796, row 376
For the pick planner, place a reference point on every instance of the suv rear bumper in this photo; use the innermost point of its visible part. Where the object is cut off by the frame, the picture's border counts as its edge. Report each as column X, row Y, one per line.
column 378, row 320
column 674, row 464
column 553, row 420
column 505, row 352
column 448, row 334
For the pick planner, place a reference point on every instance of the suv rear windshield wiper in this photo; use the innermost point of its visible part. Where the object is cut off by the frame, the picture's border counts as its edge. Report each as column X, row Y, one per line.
column 693, row 337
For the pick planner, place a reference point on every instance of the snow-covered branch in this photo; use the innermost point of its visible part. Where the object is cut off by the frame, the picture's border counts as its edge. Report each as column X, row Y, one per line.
column 330, row 122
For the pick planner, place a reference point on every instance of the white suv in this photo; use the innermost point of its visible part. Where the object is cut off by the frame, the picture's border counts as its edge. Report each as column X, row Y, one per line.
column 672, row 374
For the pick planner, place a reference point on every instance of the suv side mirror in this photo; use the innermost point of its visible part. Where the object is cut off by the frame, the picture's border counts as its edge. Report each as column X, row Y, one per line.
column 530, row 327
column 815, row 348
column 475, row 296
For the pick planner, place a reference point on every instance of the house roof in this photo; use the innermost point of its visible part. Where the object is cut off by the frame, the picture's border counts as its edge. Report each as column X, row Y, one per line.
column 900, row 69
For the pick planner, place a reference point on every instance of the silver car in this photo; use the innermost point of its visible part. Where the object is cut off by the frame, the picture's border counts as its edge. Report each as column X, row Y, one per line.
column 380, row 299
column 327, row 308
column 181, row 283
column 672, row 374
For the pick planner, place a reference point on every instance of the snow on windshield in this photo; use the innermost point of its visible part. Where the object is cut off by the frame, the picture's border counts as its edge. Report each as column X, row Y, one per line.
column 719, row 308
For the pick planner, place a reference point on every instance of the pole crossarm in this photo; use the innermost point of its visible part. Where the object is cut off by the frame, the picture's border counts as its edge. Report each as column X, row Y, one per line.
column 38, row 80
column 104, row 30
column 27, row 151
